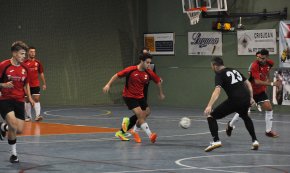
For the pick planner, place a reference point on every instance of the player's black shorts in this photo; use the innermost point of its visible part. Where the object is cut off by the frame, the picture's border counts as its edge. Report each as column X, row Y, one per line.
column 134, row 103
column 259, row 98
column 228, row 106
column 35, row 90
column 7, row 106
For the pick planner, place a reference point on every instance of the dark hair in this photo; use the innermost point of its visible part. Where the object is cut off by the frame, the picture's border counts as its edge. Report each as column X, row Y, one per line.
column 218, row 61
column 19, row 45
column 31, row 47
column 264, row 52
column 258, row 53
column 143, row 56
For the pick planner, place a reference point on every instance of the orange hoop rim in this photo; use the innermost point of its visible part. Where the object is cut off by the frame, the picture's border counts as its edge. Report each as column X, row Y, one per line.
column 197, row 9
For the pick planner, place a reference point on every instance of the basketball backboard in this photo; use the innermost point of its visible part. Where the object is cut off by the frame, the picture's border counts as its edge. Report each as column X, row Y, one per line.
column 211, row 5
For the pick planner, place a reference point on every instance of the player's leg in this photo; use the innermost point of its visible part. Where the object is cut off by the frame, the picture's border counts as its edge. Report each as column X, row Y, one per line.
column 27, row 109
column 249, row 126
column 219, row 112
column 35, row 92
column 231, row 124
column 264, row 101
column 15, row 121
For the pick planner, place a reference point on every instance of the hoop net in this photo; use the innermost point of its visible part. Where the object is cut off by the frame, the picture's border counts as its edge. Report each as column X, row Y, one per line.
column 194, row 14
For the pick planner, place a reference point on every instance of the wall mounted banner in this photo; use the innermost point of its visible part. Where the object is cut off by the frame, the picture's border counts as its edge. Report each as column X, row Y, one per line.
column 281, row 95
column 252, row 41
column 284, row 44
column 205, row 43
column 160, row 43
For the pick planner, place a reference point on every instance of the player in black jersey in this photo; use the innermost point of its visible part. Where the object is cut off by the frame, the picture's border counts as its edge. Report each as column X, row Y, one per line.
column 240, row 97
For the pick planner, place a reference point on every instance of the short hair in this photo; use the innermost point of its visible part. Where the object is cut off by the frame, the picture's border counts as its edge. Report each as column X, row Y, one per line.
column 19, row 45
column 264, row 52
column 258, row 53
column 218, row 61
column 31, row 47
column 143, row 56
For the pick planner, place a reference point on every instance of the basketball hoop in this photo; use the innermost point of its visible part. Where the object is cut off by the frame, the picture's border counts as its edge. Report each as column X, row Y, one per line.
column 194, row 14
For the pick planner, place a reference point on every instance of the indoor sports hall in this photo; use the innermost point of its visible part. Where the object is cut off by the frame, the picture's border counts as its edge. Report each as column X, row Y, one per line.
column 82, row 44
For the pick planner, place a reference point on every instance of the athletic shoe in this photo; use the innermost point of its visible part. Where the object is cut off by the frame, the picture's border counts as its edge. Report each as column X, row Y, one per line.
column 125, row 124
column 136, row 137
column 27, row 119
column 2, row 133
column 153, row 137
column 38, row 118
column 213, row 145
column 121, row 135
column 255, row 145
column 271, row 134
column 229, row 129
column 14, row 159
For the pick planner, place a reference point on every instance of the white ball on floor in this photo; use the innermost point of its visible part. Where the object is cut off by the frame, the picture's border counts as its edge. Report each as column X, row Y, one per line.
column 185, row 122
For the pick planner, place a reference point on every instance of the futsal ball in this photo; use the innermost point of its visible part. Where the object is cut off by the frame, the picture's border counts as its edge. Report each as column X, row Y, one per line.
column 185, row 122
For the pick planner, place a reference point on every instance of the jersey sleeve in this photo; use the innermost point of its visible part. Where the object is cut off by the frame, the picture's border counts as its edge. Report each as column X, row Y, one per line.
column 255, row 71
column 270, row 62
column 154, row 76
column 124, row 72
column 40, row 69
column 218, row 81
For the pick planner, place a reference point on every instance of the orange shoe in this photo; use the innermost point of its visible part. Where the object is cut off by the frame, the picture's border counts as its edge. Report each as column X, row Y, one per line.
column 153, row 137
column 136, row 137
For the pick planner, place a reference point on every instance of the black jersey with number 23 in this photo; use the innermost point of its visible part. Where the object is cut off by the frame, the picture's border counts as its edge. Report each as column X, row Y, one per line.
column 232, row 81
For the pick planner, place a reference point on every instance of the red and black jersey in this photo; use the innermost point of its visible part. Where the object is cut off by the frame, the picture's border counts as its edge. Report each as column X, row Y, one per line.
column 260, row 72
column 35, row 67
column 19, row 77
column 136, row 80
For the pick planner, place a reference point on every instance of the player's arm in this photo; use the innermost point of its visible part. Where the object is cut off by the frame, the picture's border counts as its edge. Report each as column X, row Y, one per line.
column 256, row 77
column 43, row 81
column 249, row 86
column 7, row 85
column 158, row 82
column 28, row 94
column 108, row 85
column 215, row 95
column 161, row 94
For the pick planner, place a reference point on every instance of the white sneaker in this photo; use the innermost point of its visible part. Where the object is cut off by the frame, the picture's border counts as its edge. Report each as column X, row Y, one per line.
column 27, row 119
column 213, row 145
column 255, row 145
column 38, row 118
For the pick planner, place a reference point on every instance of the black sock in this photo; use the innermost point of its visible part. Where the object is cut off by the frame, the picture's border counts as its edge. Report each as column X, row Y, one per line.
column 132, row 122
column 250, row 126
column 213, row 127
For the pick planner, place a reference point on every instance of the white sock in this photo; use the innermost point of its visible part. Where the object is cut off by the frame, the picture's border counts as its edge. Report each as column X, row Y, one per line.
column 13, row 150
column 28, row 109
column 146, row 129
column 136, row 129
column 4, row 127
column 37, row 108
column 268, row 119
column 234, row 120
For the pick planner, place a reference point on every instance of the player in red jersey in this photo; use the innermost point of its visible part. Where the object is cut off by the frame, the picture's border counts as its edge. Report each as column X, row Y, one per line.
column 35, row 70
column 136, row 78
column 14, row 79
column 260, row 80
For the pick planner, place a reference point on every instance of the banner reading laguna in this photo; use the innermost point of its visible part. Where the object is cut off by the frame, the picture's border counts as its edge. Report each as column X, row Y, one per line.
column 284, row 44
column 252, row 41
column 205, row 43
column 160, row 43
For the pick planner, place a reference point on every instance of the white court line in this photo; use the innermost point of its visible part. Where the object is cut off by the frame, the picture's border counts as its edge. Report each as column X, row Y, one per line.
column 107, row 112
column 178, row 162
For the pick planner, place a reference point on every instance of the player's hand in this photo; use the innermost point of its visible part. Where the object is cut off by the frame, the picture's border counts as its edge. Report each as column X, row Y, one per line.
column 161, row 96
column 207, row 111
column 43, row 87
column 7, row 85
column 252, row 102
column 106, row 89
column 31, row 102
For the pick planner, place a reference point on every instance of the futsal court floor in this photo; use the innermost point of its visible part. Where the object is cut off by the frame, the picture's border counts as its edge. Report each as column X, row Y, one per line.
column 81, row 140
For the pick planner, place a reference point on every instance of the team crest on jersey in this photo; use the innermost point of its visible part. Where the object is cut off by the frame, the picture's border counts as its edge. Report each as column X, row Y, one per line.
column 146, row 76
column 23, row 71
column 36, row 64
